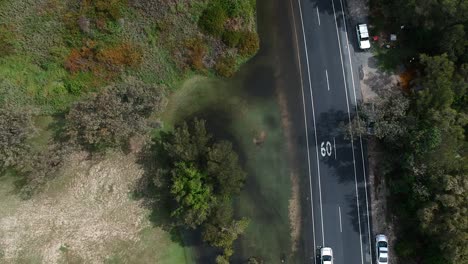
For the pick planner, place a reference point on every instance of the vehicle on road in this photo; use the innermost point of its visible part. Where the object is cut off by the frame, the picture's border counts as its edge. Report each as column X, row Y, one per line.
column 381, row 249
column 326, row 255
column 363, row 36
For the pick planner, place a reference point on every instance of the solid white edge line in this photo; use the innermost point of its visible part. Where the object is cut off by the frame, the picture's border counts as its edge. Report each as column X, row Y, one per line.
column 305, row 125
column 339, row 213
column 318, row 16
column 352, row 141
column 360, row 136
column 313, row 117
column 328, row 84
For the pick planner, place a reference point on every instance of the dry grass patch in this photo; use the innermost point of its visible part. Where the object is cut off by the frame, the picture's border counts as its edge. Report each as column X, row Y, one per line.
column 80, row 216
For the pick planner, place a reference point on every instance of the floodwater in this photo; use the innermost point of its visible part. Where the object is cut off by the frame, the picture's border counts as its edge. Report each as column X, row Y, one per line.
column 271, row 74
column 274, row 71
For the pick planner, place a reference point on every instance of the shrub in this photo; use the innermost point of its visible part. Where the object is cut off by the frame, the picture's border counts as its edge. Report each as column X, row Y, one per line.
column 110, row 8
column 213, row 19
column 249, row 43
column 196, row 52
column 231, row 38
column 226, row 66
column 109, row 118
column 40, row 167
column 121, row 55
column 16, row 127
column 105, row 62
column 78, row 83
column 83, row 59
column 238, row 8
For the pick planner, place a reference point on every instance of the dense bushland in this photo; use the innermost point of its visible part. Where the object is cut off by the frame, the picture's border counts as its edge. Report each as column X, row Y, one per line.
column 424, row 132
column 204, row 176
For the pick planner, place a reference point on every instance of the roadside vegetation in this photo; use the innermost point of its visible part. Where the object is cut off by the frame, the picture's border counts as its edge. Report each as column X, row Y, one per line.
column 96, row 76
column 423, row 128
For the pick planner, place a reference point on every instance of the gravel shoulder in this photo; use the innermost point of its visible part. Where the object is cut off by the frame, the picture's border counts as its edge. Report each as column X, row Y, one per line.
column 372, row 80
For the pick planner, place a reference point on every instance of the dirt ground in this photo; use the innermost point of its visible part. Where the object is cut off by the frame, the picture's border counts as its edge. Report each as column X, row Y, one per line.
column 78, row 217
column 374, row 80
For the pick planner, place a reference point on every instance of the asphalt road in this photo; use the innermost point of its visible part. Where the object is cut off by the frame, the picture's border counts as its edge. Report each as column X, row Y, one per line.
column 336, row 166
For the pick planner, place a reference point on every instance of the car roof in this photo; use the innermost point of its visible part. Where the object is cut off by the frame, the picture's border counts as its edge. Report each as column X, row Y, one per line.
column 326, row 251
column 365, row 44
column 363, row 31
column 381, row 238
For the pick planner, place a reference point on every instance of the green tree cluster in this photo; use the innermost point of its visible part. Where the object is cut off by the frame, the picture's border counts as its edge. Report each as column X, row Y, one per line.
column 427, row 161
column 205, row 175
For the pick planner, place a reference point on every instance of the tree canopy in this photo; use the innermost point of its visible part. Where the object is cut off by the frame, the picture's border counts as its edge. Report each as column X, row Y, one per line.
column 205, row 175
column 194, row 199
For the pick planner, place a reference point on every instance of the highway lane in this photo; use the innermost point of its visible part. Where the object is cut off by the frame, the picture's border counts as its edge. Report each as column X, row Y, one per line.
column 338, row 188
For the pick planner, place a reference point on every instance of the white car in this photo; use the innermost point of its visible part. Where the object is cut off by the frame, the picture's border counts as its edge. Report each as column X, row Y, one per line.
column 381, row 249
column 326, row 255
column 363, row 36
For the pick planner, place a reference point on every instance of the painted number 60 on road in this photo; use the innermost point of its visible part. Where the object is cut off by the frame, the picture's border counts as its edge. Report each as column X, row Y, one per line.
column 326, row 148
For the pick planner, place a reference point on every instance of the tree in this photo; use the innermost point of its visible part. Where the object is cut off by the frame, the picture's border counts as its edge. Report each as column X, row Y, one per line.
column 192, row 194
column 383, row 116
column 218, row 160
column 205, row 175
column 223, row 235
column 453, row 42
column 109, row 118
column 189, row 144
column 223, row 167
column 437, row 83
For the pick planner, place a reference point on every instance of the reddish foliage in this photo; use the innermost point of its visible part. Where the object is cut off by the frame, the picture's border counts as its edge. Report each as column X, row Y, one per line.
column 106, row 62
column 122, row 55
column 196, row 53
column 81, row 59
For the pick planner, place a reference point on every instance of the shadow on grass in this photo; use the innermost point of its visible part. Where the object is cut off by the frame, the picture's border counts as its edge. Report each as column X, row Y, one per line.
column 152, row 188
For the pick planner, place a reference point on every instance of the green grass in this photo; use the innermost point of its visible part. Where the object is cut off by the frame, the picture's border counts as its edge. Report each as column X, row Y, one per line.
column 45, row 86
column 154, row 246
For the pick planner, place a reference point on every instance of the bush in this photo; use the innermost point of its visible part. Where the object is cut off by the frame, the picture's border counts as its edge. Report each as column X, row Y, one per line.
column 226, row 66
column 16, row 127
column 249, row 43
column 109, row 118
column 196, row 49
column 238, row 8
column 213, row 19
column 231, row 38
column 40, row 167
column 102, row 62
column 120, row 56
